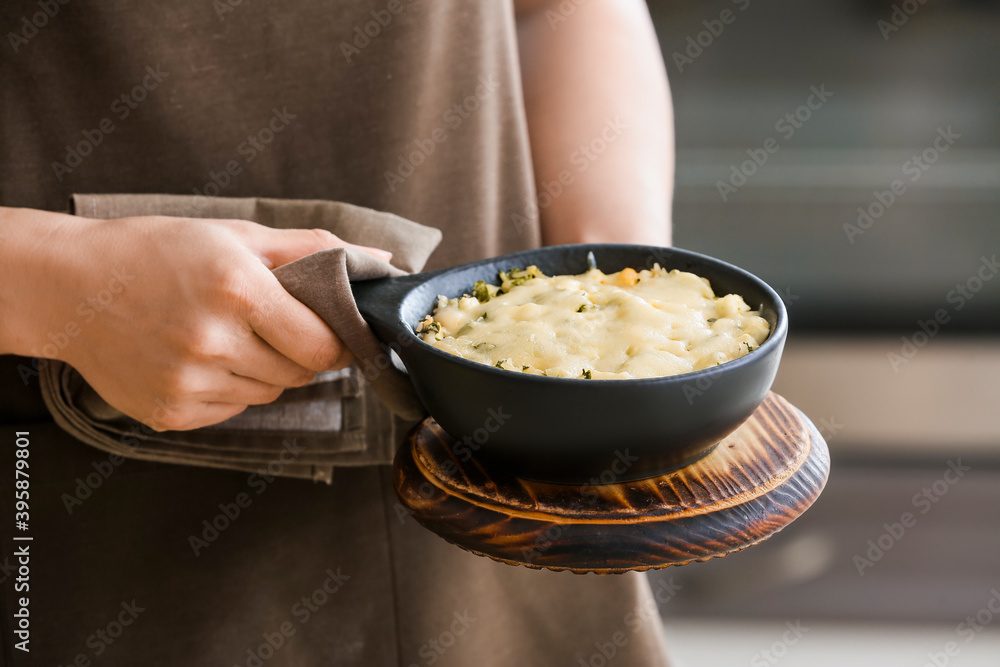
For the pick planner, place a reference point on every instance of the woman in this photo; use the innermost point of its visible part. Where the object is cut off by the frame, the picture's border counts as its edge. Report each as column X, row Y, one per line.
column 504, row 124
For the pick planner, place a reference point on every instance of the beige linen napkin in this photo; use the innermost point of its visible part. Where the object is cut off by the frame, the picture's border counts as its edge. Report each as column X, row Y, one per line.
column 342, row 418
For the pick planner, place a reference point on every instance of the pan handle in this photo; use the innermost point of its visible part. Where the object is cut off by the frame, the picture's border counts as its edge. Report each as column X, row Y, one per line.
column 379, row 302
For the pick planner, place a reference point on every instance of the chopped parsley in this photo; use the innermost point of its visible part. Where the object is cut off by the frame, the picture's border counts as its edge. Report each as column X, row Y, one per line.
column 482, row 291
column 515, row 276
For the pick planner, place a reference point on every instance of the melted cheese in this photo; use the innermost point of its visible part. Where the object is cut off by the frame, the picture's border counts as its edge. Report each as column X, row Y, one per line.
column 629, row 324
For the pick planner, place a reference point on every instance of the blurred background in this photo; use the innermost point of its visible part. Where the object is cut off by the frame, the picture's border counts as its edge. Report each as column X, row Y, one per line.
column 849, row 154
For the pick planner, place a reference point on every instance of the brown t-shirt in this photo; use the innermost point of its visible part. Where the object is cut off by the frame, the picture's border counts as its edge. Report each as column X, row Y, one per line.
column 412, row 107
column 407, row 106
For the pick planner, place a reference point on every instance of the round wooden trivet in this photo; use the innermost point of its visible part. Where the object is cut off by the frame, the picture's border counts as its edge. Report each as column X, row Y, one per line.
column 754, row 483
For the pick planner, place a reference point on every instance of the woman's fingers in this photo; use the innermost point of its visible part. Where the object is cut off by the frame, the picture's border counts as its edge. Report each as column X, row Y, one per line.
column 224, row 396
column 295, row 331
column 232, row 389
column 277, row 247
column 198, row 415
column 256, row 359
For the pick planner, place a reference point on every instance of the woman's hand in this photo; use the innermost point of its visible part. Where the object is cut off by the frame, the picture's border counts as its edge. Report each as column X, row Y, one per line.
column 179, row 323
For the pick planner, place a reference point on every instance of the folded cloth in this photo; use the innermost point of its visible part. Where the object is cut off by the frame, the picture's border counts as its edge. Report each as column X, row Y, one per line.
column 342, row 418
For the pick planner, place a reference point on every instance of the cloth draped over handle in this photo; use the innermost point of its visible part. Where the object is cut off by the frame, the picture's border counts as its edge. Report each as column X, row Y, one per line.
column 356, row 416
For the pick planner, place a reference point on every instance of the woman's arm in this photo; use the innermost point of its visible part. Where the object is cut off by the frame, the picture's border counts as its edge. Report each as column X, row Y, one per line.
column 176, row 322
column 600, row 118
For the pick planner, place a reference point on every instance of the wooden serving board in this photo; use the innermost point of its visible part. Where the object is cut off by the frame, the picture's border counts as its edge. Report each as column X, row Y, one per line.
column 751, row 485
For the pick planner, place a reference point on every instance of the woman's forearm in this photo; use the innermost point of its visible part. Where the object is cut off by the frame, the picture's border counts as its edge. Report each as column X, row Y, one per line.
column 36, row 275
column 600, row 121
column 176, row 322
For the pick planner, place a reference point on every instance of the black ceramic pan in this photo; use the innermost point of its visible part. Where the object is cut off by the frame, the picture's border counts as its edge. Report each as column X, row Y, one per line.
column 576, row 430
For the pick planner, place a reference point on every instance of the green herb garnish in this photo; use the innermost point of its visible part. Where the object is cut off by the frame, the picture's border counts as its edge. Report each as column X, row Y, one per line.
column 482, row 291
column 515, row 276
